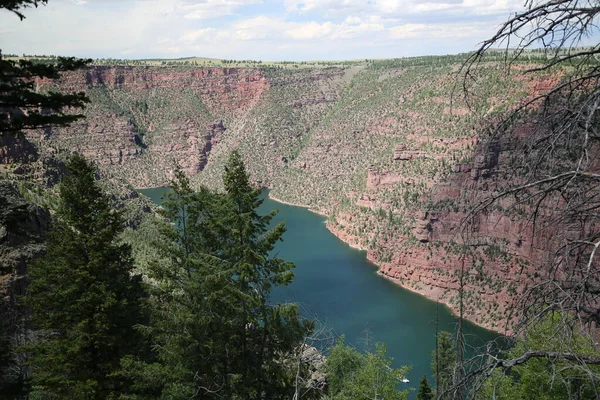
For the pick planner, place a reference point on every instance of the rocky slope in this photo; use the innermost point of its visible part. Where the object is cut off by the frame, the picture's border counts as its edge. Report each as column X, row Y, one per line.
column 378, row 147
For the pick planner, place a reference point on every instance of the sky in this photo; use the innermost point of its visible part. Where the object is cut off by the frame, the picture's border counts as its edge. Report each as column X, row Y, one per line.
column 268, row 30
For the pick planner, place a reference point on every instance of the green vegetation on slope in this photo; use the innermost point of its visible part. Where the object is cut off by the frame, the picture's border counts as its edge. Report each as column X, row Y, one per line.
column 84, row 301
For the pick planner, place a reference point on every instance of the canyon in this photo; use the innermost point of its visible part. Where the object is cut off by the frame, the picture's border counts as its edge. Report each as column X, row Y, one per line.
column 389, row 151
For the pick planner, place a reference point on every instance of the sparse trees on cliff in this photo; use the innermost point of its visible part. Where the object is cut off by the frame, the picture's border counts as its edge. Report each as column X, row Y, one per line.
column 83, row 297
column 554, row 173
column 554, row 169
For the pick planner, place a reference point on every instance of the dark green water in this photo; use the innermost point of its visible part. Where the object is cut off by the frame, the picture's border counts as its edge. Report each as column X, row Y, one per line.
column 341, row 288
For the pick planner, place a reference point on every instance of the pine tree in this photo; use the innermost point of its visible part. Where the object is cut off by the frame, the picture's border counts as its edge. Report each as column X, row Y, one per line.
column 425, row 392
column 83, row 297
column 216, row 334
column 191, row 302
column 23, row 107
column 274, row 329
column 445, row 355
column 10, row 382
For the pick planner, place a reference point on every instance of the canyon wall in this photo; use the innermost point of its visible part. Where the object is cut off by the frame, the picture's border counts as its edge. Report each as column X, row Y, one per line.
column 377, row 147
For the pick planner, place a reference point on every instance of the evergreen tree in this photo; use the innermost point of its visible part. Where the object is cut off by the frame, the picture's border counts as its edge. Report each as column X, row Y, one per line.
column 23, row 107
column 16, row 6
column 215, row 333
column 275, row 329
column 425, row 392
column 190, row 303
column 11, row 381
column 443, row 361
column 83, row 297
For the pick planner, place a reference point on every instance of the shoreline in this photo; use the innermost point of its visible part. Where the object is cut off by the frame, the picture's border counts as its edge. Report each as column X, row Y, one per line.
column 430, row 297
column 354, row 246
column 395, row 281
column 297, row 205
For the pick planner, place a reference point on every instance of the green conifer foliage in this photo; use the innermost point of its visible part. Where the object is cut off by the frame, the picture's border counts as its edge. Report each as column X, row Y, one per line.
column 83, row 297
column 215, row 334
column 443, row 362
column 425, row 392
column 17, row 5
column 11, row 376
column 22, row 105
column 274, row 328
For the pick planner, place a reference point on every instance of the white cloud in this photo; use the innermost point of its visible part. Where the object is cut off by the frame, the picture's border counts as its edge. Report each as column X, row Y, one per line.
column 174, row 49
column 328, row 8
column 266, row 28
column 310, row 30
column 200, row 34
column 408, row 31
column 402, row 8
column 256, row 29
column 206, row 9
column 163, row 39
column 441, row 31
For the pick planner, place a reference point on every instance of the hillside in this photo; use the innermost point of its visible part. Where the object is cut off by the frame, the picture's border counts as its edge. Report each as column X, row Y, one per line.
column 376, row 146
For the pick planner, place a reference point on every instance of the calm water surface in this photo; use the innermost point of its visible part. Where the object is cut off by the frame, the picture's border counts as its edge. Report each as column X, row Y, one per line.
column 341, row 288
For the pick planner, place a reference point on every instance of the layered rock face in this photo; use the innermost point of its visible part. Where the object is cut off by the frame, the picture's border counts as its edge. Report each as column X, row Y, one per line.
column 378, row 148
column 143, row 120
column 506, row 252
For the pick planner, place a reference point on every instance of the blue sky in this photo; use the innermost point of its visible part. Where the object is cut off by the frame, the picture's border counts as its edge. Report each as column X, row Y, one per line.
column 254, row 29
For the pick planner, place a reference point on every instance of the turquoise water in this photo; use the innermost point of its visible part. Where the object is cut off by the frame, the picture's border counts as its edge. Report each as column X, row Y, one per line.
column 337, row 285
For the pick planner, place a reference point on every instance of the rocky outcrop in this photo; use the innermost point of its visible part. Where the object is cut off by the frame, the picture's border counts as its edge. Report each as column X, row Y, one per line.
column 401, row 153
column 506, row 252
column 16, row 149
column 376, row 179
column 22, row 229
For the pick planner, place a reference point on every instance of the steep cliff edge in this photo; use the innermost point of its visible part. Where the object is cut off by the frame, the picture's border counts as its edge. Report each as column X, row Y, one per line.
column 378, row 148
column 143, row 120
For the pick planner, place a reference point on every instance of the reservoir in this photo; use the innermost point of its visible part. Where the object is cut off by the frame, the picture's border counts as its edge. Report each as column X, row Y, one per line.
column 335, row 284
